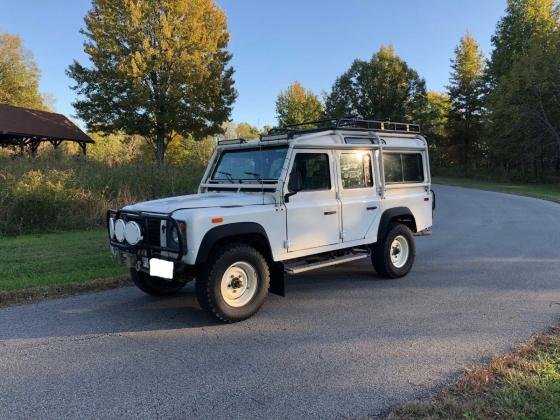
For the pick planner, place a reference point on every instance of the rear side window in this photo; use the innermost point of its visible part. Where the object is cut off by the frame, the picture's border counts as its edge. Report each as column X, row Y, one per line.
column 403, row 167
column 313, row 171
column 355, row 170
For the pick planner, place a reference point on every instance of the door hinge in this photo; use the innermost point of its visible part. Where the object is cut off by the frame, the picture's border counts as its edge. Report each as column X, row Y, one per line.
column 342, row 235
column 287, row 244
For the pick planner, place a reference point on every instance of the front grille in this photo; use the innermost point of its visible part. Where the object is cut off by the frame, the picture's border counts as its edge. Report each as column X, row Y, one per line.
column 153, row 235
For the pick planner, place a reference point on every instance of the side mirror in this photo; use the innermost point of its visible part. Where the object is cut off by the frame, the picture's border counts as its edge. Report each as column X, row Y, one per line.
column 294, row 185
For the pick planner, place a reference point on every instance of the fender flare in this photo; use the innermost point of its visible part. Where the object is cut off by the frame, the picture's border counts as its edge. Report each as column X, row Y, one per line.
column 227, row 231
column 390, row 214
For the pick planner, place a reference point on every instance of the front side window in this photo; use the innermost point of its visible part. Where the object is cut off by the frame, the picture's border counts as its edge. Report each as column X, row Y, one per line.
column 258, row 164
column 403, row 167
column 311, row 172
column 355, row 170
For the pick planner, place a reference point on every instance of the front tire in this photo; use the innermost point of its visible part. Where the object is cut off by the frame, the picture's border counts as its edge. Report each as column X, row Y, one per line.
column 393, row 256
column 154, row 285
column 234, row 282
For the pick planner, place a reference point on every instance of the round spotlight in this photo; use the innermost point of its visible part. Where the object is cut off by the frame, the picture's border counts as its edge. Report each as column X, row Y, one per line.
column 132, row 233
column 112, row 228
column 119, row 230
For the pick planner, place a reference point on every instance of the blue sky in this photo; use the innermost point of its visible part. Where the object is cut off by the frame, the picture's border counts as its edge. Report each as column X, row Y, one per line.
column 276, row 42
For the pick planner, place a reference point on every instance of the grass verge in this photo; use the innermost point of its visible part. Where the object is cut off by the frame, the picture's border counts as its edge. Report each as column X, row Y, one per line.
column 549, row 192
column 523, row 384
column 57, row 264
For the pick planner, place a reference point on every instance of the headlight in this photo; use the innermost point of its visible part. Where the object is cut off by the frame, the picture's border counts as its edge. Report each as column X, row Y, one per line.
column 119, row 230
column 175, row 235
column 132, row 233
column 112, row 228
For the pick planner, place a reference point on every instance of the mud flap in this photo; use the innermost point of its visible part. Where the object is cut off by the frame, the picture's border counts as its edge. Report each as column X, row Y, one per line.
column 277, row 279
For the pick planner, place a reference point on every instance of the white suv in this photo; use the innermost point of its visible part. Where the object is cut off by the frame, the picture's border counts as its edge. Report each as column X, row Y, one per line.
column 296, row 200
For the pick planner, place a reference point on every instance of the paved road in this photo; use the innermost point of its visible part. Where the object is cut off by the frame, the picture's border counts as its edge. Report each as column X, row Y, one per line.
column 343, row 343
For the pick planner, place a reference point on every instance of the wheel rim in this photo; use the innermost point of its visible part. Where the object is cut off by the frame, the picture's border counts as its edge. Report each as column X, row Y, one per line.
column 399, row 251
column 239, row 284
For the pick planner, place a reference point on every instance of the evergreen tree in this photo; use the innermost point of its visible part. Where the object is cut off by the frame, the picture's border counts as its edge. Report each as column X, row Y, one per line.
column 159, row 69
column 520, row 80
column 523, row 19
column 297, row 105
column 465, row 92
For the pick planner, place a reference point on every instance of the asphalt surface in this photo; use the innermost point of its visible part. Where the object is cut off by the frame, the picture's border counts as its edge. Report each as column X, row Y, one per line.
column 342, row 343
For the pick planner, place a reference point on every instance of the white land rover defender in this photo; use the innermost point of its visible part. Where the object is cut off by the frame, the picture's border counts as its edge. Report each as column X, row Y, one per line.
column 296, row 200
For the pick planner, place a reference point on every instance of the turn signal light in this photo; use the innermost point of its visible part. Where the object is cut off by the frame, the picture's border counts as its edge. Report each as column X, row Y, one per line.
column 217, row 220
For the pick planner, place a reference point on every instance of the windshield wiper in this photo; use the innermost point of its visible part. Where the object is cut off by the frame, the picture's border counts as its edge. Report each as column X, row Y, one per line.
column 228, row 176
column 256, row 175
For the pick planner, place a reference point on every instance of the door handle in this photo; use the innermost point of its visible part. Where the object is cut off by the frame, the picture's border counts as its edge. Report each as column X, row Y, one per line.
column 371, row 208
column 328, row 213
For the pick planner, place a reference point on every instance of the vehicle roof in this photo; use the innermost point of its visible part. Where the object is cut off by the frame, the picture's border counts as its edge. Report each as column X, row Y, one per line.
column 339, row 133
column 334, row 138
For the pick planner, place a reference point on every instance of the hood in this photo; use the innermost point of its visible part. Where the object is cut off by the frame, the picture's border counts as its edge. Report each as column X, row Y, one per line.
column 206, row 200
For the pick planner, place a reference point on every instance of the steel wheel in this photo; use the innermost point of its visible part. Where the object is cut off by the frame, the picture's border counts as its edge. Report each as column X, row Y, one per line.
column 399, row 251
column 239, row 284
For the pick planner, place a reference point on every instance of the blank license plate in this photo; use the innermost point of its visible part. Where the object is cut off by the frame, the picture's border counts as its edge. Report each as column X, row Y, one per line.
column 161, row 268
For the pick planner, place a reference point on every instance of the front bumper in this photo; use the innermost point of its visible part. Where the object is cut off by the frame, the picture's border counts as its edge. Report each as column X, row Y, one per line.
column 155, row 228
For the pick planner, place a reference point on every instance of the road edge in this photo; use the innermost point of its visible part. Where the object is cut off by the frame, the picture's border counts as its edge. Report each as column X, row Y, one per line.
column 38, row 294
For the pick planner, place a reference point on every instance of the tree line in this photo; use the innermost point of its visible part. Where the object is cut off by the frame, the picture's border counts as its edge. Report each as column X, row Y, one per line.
column 498, row 115
column 161, row 71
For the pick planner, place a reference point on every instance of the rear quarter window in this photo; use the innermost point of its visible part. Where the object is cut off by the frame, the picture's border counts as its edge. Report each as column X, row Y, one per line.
column 403, row 167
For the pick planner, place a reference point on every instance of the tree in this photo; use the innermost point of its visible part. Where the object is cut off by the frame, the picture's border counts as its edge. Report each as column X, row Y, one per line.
column 159, row 69
column 383, row 88
column 522, row 20
column 247, row 131
column 521, row 80
column 242, row 130
column 466, row 90
column 19, row 75
column 297, row 105
column 435, row 125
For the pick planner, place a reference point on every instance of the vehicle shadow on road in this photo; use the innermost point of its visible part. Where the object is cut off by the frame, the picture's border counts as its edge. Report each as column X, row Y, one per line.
column 129, row 310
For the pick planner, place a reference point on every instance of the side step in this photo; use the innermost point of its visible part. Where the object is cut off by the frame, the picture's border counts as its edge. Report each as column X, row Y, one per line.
column 301, row 267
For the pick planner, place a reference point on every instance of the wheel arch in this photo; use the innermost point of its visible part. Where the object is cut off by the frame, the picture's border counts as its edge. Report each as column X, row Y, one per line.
column 248, row 232
column 396, row 215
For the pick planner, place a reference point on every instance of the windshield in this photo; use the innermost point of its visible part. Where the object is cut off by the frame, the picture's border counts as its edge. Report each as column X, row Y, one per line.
column 259, row 164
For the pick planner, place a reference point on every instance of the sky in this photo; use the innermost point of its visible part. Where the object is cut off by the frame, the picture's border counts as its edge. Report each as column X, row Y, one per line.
column 275, row 43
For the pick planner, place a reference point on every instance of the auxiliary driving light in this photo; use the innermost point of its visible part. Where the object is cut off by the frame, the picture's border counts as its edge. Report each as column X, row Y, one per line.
column 132, row 233
column 119, row 230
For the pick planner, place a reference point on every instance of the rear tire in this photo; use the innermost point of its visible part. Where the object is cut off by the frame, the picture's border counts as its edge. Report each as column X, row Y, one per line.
column 155, row 286
column 234, row 282
column 393, row 256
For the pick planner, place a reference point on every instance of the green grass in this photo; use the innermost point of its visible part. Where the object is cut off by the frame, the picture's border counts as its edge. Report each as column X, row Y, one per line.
column 522, row 385
column 545, row 191
column 55, row 259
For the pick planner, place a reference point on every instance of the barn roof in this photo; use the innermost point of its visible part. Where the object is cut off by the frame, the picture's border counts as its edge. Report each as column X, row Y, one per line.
column 22, row 126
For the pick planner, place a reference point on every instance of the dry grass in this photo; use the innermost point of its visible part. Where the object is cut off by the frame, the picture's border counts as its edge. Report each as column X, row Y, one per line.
column 523, row 384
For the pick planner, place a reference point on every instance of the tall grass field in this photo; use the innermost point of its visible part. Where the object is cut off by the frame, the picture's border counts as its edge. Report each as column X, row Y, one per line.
column 48, row 194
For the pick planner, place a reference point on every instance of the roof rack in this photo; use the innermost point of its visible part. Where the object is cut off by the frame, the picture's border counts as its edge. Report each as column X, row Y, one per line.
column 354, row 124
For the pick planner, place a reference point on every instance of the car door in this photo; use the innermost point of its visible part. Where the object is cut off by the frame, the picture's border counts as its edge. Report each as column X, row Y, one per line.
column 313, row 212
column 358, row 196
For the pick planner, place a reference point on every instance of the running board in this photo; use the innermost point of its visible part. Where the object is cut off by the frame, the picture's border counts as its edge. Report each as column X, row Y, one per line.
column 301, row 268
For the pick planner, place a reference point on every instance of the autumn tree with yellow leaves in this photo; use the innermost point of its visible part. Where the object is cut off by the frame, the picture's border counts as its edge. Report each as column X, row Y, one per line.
column 159, row 69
